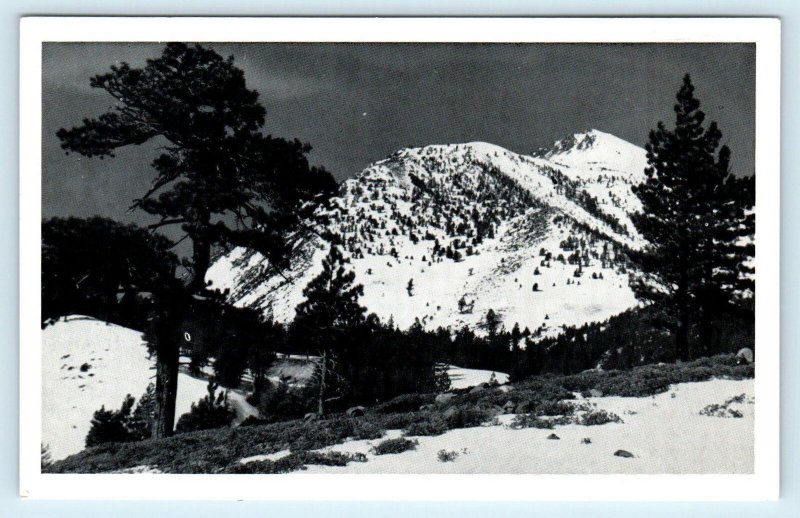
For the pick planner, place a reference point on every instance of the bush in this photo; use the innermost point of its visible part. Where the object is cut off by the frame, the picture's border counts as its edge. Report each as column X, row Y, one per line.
column 433, row 426
column 467, row 417
column 555, row 408
column 109, row 425
column 598, row 417
column 46, row 457
column 297, row 461
column 534, row 421
column 530, row 421
column 391, row 446
column 404, row 403
column 125, row 424
column 446, row 456
column 210, row 412
column 281, row 402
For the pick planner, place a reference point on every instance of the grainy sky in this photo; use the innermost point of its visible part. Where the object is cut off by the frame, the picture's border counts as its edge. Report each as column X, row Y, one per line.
column 357, row 103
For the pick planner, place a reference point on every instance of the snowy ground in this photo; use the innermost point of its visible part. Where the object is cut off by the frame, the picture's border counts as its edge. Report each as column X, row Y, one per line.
column 86, row 364
column 464, row 378
column 666, row 434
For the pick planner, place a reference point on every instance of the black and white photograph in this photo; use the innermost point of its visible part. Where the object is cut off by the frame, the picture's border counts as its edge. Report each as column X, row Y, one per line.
column 399, row 257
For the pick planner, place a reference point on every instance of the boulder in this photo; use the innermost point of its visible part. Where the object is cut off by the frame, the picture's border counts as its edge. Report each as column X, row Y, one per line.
column 356, row 411
column 745, row 355
column 524, row 407
column 478, row 388
column 311, row 416
column 554, row 437
column 595, row 393
column 497, row 410
column 444, row 398
column 623, row 454
column 509, row 407
column 505, row 388
column 450, row 412
column 426, row 407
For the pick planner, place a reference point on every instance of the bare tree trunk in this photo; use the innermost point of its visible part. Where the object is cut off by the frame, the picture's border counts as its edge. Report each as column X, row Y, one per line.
column 322, row 374
column 166, row 392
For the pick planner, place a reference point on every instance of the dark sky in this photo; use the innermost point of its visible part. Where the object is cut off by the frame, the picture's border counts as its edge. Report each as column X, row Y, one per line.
column 357, row 103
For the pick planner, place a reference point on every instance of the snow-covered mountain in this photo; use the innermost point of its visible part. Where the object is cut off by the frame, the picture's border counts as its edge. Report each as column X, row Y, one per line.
column 539, row 239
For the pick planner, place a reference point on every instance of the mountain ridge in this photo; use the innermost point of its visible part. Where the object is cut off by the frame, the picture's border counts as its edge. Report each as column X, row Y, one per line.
column 472, row 226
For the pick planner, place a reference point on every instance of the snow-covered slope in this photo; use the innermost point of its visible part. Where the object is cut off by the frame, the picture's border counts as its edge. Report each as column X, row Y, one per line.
column 539, row 239
column 666, row 434
column 86, row 364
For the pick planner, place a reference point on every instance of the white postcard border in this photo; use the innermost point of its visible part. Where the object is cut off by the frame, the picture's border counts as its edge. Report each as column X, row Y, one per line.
column 761, row 485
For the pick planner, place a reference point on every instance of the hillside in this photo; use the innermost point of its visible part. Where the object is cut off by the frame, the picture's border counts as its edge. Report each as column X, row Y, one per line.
column 695, row 417
column 444, row 233
column 86, row 364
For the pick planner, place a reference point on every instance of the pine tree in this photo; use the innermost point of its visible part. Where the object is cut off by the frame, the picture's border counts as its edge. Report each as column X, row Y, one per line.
column 219, row 177
column 491, row 322
column 690, row 218
column 329, row 310
column 109, row 425
column 410, row 287
column 443, row 382
column 213, row 411
column 46, row 456
column 140, row 423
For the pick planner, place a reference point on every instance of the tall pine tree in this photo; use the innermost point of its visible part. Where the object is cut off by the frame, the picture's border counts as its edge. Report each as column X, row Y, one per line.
column 693, row 219
column 325, row 318
column 219, row 177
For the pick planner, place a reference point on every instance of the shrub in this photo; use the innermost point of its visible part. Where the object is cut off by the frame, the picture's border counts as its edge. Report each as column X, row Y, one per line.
column 109, row 426
column 404, row 403
column 534, row 421
column 432, row 426
column 717, row 410
column 391, row 446
column 281, row 402
column 530, row 421
column 252, row 420
column 46, row 457
column 598, row 417
column 467, row 417
column 296, row 461
column 209, row 412
column 555, row 408
column 106, row 426
column 446, row 456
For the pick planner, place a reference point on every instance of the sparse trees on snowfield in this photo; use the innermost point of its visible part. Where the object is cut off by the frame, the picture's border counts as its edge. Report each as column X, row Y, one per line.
column 695, row 216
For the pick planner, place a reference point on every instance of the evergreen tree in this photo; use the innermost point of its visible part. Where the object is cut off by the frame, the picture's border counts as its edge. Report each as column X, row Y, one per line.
column 491, row 322
column 109, row 425
column 46, row 456
column 442, row 378
column 213, row 411
column 329, row 311
column 219, row 177
column 140, row 423
column 690, row 218
column 101, row 268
